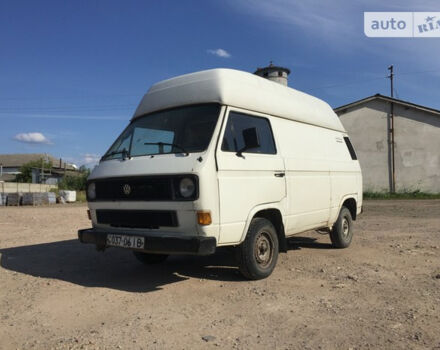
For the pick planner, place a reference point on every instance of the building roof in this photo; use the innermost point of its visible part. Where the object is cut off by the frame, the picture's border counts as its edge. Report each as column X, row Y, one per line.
column 239, row 89
column 18, row 159
column 341, row 109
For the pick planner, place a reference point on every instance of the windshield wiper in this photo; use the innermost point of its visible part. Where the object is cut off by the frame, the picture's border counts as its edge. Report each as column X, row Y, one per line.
column 161, row 144
column 124, row 153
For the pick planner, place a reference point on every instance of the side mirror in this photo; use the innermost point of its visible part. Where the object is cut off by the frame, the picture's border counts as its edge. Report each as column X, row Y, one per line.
column 250, row 138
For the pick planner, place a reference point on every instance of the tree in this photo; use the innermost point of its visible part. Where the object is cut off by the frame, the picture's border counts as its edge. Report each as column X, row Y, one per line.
column 77, row 182
column 26, row 169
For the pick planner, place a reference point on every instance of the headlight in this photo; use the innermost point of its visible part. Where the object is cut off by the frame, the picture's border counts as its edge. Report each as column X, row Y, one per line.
column 187, row 187
column 91, row 191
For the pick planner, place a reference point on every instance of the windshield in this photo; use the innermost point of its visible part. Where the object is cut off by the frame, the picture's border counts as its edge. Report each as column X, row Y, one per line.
column 179, row 130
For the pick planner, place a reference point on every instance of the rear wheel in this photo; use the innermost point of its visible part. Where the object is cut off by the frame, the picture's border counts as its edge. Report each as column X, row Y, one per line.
column 147, row 258
column 258, row 254
column 341, row 233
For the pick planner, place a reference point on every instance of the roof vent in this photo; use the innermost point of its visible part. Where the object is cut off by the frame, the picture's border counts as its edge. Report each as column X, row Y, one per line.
column 274, row 73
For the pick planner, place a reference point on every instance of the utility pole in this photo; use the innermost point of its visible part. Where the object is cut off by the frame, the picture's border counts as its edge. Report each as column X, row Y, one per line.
column 391, row 76
column 42, row 171
column 391, row 132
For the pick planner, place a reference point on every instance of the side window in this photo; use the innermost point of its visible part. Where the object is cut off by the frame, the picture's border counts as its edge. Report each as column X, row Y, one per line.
column 350, row 148
column 233, row 140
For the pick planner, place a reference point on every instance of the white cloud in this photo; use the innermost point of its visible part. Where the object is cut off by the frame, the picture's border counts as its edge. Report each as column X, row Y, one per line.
column 219, row 53
column 90, row 158
column 32, row 137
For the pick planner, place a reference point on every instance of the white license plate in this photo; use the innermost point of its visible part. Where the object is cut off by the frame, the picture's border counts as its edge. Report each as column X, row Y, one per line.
column 125, row 241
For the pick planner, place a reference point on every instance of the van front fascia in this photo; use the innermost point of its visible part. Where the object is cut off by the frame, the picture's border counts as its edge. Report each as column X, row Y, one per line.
column 156, row 188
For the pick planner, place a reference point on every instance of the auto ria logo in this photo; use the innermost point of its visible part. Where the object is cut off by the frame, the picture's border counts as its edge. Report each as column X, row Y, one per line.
column 402, row 24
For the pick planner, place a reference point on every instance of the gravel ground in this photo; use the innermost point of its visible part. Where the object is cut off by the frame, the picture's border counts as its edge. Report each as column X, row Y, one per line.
column 382, row 292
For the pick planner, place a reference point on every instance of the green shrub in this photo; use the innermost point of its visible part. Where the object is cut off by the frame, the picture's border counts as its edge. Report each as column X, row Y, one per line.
column 26, row 169
column 81, row 196
column 401, row 195
column 77, row 182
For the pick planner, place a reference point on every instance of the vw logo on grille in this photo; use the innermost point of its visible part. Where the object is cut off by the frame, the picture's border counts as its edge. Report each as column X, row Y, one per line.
column 126, row 189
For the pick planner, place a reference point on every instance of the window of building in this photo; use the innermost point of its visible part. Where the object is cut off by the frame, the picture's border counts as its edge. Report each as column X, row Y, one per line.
column 233, row 138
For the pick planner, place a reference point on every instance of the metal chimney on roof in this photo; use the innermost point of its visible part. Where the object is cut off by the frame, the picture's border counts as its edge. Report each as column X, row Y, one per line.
column 274, row 73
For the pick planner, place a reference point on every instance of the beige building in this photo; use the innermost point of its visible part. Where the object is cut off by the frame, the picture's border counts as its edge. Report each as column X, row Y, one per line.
column 10, row 165
column 416, row 146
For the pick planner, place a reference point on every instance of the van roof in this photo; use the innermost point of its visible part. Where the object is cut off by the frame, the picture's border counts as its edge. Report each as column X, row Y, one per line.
column 239, row 89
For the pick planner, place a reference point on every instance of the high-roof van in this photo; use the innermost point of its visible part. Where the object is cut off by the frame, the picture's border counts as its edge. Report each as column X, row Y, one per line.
column 224, row 158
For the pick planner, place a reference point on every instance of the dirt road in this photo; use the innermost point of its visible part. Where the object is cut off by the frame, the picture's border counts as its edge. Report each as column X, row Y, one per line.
column 382, row 292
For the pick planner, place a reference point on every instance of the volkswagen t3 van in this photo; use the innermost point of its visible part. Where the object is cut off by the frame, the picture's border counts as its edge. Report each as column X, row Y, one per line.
column 224, row 158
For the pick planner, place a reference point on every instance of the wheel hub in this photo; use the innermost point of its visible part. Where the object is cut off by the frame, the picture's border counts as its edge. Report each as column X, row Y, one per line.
column 345, row 227
column 263, row 249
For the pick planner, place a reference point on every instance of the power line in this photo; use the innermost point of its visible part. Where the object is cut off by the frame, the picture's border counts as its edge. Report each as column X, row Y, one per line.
column 346, row 84
column 362, row 81
column 68, row 97
column 137, row 95
column 66, row 108
column 420, row 72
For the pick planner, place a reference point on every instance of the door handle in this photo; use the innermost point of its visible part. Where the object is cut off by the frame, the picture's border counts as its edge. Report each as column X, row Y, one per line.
column 280, row 174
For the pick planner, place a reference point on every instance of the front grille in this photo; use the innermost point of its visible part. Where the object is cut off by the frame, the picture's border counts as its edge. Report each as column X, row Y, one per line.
column 137, row 218
column 142, row 188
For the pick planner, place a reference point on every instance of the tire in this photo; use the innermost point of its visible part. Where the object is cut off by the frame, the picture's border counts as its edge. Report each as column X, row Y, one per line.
column 147, row 258
column 258, row 254
column 341, row 233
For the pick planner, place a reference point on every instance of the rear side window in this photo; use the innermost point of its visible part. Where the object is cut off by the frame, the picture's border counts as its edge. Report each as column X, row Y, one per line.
column 233, row 139
column 350, row 148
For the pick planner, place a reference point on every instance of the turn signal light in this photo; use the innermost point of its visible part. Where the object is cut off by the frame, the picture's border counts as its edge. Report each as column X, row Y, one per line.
column 204, row 217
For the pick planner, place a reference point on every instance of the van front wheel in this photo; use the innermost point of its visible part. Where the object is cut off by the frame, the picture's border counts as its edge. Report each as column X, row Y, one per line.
column 341, row 233
column 258, row 254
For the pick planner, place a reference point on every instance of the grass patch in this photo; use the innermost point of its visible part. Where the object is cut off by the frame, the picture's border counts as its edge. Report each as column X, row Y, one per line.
column 401, row 195
column 81, row 196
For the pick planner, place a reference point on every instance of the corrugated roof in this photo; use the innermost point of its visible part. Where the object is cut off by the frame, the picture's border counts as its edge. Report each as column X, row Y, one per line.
column 18, row 159
column 340, row 110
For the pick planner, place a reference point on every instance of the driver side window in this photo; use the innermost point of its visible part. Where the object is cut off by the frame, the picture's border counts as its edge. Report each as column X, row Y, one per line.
column 233, row 140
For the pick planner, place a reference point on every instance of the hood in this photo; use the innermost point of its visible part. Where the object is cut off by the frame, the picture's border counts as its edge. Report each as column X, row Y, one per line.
column 148, row 165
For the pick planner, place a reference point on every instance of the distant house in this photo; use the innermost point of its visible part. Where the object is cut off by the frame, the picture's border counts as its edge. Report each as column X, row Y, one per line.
column 412, row 161
column 10, row 165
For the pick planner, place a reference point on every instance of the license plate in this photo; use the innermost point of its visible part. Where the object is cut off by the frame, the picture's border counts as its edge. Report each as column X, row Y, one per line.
column 125, row 241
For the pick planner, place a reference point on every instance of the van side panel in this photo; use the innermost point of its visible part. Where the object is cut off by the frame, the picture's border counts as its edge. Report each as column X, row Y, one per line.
column 345, row 175
column 320, row 173
column 303, row 147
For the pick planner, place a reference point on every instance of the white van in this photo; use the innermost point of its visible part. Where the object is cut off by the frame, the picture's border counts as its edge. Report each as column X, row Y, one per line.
column 224, row 158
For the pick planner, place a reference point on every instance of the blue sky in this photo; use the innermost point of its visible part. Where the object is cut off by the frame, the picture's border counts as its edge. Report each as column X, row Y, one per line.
column 73, row 72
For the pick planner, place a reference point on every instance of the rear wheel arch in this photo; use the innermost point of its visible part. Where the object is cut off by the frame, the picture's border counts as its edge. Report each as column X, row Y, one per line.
column 351, row 205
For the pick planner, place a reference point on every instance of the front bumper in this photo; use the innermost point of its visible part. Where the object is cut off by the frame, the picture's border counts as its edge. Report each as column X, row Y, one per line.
column 166, row 244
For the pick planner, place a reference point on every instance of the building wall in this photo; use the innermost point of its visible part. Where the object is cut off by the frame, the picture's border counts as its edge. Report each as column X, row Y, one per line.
column 13, row 187
column 417, row 150
column 417, row 145
column 8, row 170
column 367, row 127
